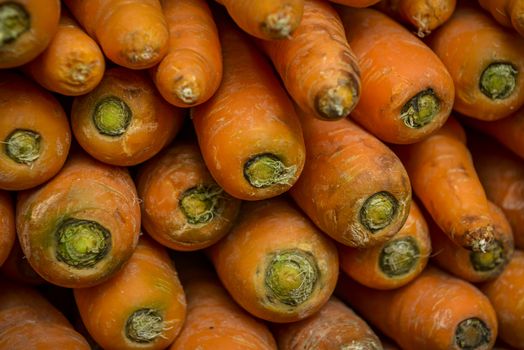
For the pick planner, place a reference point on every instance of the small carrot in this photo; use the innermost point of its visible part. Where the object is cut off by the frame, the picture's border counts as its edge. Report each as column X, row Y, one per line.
column 434, row 312
column 191, row 71
column 34, row 133
column 80, row 227
column 393, row 263
column 407, row 93
column 26, row 28
column 275, row 263
column 16, row 268
column 335, row 326
column 7, row 225
column 132, row 33
column 352, row 187
column 182, row 206
column 356, row 3
column 509, row 13
column 248, row 132
column 72, row 64
column 124, row 120
column 485, row 62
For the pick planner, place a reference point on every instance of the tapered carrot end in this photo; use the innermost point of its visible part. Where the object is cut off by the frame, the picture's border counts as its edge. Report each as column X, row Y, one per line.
column 187, row 90
column 282, row 23
column 336, row 102
column 14, row 21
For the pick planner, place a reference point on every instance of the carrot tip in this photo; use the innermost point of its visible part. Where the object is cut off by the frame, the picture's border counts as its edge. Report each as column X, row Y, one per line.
column 187, row 90
column 494, row 258
column 479, row 240
column 23, row 146
column 472, row 333
column 14, row 21
column 280, row 24
column 201, row 204
column 78, row 72
column 420, row 109
column 399, row 256
column 498, row 80
column 336, row 102
column 144, row 326
column 378, row 211
column 266, row 169
column 112, row 116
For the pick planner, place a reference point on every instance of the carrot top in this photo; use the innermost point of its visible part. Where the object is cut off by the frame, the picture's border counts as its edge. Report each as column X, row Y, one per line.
column 14, row 21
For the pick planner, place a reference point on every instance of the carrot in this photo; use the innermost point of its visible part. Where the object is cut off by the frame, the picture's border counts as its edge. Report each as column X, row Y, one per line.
column 335, row 326
column 407, row 94
column 352, row 187
column 142, row 307
column 132, row 33
column 435, row 311
column 80, row 227
column 248, row 132
column 7, row 225
column 16, row 268
column 509, row 13
column 356, row 3
column 484, row 61
column 72, row 64
column 275, row 263
column 393, row 263
column 26, row 28
column 191, row 71
column 124, row 121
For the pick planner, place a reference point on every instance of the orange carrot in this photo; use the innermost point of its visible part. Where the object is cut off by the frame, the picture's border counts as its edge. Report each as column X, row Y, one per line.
column 7, row 225
column 407, row 93
column 317, row 65
column 275, row 263
column 124, row 121
column 16, row 268
column 509, row 13
column 80, row 227
column 34, row 134
column 356, row 3
column 248, row 132
column 132, row 33
column 26, row 28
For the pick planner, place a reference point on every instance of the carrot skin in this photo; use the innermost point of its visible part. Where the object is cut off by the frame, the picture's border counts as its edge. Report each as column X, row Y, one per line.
column 7, row 225
column 16, row 268
column 356, row 3
column 509, row 13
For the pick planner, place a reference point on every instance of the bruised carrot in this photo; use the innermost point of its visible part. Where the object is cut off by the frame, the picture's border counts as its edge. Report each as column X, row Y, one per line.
column 275, row 263
column 132, row 33
column 434, row 312
column 335, row 326
column 80, row 227
column 485, row 62
column 124, row 120
column 248, row 132
column 395, row 262
column 16, row 268
column 191, row 71
column 317, row 65
column 352, row 187
column 356, row 3
column 72, row 64
column 509, row 13
column 34, row 134
column 407, row 93
column 26, row 28
column 7, row 225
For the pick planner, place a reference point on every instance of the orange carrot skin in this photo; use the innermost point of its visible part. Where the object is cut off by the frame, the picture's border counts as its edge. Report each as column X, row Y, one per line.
column 356, row 3
column 41, row 17
column 29, row 108
column 72, row 64
column 364, row 265
column 132, row 33
column 7, row 225
column 88, row 191
column 16, row 268
column 191, row 71
column 509, row 13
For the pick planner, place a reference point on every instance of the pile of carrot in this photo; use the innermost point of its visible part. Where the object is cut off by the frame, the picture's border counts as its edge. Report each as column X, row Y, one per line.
column 270, row 174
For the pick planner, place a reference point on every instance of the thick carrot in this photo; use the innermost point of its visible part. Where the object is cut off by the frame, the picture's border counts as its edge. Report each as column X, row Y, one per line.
column 34, row 133
column 434, row 312
column 356, row 3
column 393, row 263
column 182, row 206
column 353, row 187
column 317, row 65
column 509, row 13
column 485, row 62
column 80, row 227
column 16, row 268
column 72, row 64
column 275, row 263
column 26, row 28
column 444, row 178
column 132, row 33
column 7, row 225
column 407, row 93
column 191, row 71
column 142, row 307
column 124, row 120
column 248, row 132
column 335, row 326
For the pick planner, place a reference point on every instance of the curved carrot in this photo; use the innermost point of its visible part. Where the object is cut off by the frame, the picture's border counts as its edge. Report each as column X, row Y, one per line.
column 26, row 28
column 248, row 132
column 275, row 263
column 124, row 120
column 34, row 134
column 352, row 187
column 317, row 65
column 509, row 13
column 393, row 263
column 191, row 71
column 132, row 33
column 7, row 225
column 72, row 64
column 407, row 93
column 16, row 268
column 485, row 62
column 80, row 227
column 182, row 206
column 356, row 3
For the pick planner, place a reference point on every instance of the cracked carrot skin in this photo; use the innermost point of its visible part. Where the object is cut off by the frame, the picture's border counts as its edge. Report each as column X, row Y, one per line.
column 509, row 13
column 7, row 225
column 316, row 64
column 356, row 3
column 132, row 33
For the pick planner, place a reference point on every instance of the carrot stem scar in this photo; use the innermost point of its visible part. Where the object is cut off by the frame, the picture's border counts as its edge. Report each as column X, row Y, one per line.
column 421, row 109
column 498, row 80
column 200, row 204
column 472, row 333
column 144, row 326
column 23, row 146
column 378, row 211
column 266, row 169
column 112, row 116
column 399, row 256
column 490, row 259
column 14, row 21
